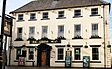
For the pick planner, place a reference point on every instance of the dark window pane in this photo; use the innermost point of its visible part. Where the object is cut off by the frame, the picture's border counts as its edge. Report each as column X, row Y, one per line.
column 45, row 15
column 32, row 16
column 19, row 30
column 94, row 11
column 20, row 17
column 77, row 12
column 18, row 53
column 61, row 14
column 60, row 54
column 95, row 54
column 77, row 54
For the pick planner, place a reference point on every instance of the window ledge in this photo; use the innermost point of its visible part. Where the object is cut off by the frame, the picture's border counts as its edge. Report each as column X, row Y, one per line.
column 32, row 19
column 78, row 61
column 94, row 15
column 18, row 39
column 96, row 61
column 61, row 18
column 60, row 61
column 77, row 37
column 95, row 37
column 16, row 60
column 77, row 16
column 20, row 20
column 45, row 19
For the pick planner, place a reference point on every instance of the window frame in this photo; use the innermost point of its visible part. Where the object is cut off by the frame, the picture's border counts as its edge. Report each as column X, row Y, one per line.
column 59, row 32
column 62, row 54
column 19, row 33
column 31, row 53
column 44, row 33
column 75, row 30
column 20, row 17
column 93, row 29
column 31, row 34
column 98, row 54
column 77, row 12
column 18, row 55
column 32, row 16
column 61, row 14
column 78, row 54
column 45, row 15
column 94, row 11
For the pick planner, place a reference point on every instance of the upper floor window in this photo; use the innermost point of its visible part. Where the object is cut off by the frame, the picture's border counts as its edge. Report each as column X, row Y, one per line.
column 77, row 12
column 60, row 14
column 61, row 31
column 45, row 15
column 20, row 17
column 31, row 32
column 32, row 16
column 19, row 33
column 94, row 11
column 31, row 53
column 60, row 54
column 18, row 53
column 77, row 30
column 77, row 54
column 95, row 54
column 44, row 31
column 94, row 29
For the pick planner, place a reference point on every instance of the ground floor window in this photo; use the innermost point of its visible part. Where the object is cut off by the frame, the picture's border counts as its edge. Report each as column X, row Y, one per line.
column 95, row 54
column 31, row 53
column 60, row 53
column 77, row 54
column 18, row 53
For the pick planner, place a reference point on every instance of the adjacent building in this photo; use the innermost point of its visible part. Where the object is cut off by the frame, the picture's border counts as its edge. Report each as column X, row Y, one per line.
column 46, row 32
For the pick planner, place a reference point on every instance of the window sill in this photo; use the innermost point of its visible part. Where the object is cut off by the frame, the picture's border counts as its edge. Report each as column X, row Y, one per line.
column 20, row 20
column 61, row 18
column 77, row 16
column 78, row 61
column 77, row 37
column 95, row 37
column 58, row 61
column 94, row 15
column 18, row 39
column 45, row 19
column 32, row 19
column 95, row 61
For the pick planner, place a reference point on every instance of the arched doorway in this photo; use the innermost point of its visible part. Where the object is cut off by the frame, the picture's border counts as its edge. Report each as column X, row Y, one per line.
column 43, row 55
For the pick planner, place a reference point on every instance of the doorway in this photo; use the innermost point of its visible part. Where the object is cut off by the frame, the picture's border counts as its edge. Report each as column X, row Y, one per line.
column 43, row 55
column 43, row 58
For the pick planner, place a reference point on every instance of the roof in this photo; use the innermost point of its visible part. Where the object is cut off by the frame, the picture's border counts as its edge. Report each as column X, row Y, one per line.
column 57, row 4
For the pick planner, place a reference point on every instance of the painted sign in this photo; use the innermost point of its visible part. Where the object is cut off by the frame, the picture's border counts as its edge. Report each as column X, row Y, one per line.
column 86, row 61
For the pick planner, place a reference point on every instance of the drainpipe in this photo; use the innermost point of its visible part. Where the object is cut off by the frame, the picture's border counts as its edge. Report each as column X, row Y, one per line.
column 104, row 36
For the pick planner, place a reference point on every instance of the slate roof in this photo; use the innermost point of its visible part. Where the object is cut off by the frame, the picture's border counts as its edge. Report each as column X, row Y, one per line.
column 57, row 4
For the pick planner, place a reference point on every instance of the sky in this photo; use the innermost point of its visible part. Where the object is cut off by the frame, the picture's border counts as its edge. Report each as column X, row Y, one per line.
column 14, row 4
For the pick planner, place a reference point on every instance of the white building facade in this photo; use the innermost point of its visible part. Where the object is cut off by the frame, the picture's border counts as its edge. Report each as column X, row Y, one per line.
column 45, row 32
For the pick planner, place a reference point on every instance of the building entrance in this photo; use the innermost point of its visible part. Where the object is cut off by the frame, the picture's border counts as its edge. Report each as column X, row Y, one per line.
column 43, row 55
column 43, row 58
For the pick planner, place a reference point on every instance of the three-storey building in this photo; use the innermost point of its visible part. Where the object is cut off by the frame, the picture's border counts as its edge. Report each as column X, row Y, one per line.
column 45, row 32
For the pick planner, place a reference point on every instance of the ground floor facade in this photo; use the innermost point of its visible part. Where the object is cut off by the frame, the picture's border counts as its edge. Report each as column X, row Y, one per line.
column 64, row 54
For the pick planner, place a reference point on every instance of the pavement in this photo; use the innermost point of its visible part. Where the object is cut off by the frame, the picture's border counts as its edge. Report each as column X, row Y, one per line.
column 18, row 67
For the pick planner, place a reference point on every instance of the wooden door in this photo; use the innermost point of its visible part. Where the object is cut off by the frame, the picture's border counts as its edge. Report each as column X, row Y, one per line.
column 43, row 58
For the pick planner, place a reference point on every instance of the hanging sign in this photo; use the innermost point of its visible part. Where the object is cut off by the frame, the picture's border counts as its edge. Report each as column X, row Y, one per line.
column 8, row 26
